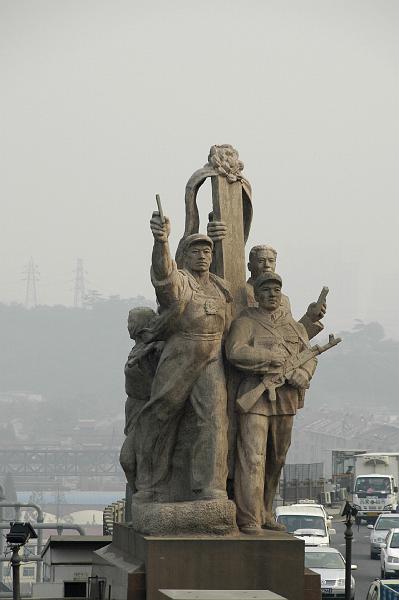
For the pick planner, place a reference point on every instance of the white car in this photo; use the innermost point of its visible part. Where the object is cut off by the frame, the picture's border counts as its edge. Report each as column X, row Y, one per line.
column 306, row 521
column 379, row 532
column 390, row 555
column 330, row 565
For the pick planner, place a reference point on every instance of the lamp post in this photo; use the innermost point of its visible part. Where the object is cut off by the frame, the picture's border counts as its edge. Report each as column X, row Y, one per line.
column 348, row 512
column 15, row 564
column 20, row 533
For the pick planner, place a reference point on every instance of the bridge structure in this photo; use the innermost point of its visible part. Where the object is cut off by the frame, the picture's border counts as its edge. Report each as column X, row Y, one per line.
column 85, row 462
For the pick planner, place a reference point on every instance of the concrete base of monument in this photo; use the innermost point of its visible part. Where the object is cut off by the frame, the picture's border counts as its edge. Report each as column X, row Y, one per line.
column 205, row 517
column 138, row 566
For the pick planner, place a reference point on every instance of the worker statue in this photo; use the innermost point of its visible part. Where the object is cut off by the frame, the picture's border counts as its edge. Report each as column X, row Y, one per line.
column 272, row 351
column 190, row 375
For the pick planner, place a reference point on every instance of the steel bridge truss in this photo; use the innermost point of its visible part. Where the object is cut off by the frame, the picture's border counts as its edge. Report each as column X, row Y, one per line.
column 60, row 463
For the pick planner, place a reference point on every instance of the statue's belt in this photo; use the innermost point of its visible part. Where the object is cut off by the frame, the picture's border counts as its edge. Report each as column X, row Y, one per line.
column 200, row 336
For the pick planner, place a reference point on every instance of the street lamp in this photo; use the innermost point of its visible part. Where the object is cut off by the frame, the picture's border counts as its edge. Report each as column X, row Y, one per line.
column 20, row 533
column 348, row 512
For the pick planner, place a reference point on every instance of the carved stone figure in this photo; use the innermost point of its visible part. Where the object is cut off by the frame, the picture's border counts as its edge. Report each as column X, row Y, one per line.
column 262, row 259
column 190, row 374
column 139, row 372
column 260, row 341
column 182, row 393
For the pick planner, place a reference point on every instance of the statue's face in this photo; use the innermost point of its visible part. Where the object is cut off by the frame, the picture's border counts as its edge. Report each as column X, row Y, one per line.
column 132, row 324
column 264, row 261
column 198, row 258
column 268, row 295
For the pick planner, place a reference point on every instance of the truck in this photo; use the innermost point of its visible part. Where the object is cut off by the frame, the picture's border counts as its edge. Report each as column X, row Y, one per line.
column 376, row 477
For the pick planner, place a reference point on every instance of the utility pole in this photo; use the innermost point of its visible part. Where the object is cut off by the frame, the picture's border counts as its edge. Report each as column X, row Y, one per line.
column 349, row 512
column 80, row 286
column 32, row 277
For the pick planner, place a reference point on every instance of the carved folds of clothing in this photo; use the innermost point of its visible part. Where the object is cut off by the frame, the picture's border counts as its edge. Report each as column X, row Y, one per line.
column 190, row 370
column 264, row 432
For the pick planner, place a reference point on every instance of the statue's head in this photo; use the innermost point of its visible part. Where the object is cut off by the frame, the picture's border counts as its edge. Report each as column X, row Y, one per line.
column 267, row 291
column 197, row 252
column 139, row 318
column 262, row 259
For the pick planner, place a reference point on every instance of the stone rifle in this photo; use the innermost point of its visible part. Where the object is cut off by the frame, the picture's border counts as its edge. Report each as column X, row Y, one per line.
column 271, row 382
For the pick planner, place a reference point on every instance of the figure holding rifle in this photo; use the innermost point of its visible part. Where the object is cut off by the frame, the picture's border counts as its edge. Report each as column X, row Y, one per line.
column 272, row 351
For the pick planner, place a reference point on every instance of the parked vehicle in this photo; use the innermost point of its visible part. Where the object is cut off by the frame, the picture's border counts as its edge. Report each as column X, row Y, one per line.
column 383, row 590
column 390, row 555
column 380, row 530
column 306, row 521
column 330, row 565
column 376, row 481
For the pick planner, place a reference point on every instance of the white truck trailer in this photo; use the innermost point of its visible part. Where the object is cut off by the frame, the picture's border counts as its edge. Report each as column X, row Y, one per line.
column 376, row 484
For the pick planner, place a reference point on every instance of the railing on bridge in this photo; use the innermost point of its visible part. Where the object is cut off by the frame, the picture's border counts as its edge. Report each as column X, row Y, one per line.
column 113, row 513
column 59, row 463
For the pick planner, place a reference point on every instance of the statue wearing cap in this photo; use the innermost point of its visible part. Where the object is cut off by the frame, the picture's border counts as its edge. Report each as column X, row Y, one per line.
column 260, row 342
column 262, row 259
column 189, row 384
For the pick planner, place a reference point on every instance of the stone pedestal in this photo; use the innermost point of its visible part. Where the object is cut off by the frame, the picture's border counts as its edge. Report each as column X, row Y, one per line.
column 138, row 566
column 204, row 517
column 220, row 595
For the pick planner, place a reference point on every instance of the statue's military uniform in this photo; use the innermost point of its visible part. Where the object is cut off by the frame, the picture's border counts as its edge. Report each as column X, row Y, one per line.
column 190, row 371
column 264, row 432
column 312, row 329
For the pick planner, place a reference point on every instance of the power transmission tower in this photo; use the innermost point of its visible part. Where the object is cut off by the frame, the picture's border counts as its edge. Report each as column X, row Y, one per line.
column 32, row 277
column 80, row 285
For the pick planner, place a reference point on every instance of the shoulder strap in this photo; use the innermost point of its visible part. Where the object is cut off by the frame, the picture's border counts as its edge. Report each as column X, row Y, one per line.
column 271, row 330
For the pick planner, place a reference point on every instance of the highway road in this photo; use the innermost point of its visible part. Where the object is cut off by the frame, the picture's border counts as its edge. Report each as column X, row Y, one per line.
column 367, row 569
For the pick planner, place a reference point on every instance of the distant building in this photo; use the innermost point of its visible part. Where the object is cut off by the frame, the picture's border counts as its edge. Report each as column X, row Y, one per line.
column 67, row 566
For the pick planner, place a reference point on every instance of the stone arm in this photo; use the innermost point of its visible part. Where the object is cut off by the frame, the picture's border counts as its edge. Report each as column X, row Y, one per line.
column 311, row 319
column 162, row 262
column 165, row 277
column 302, row 375
column 312, row 329
column 241, row 352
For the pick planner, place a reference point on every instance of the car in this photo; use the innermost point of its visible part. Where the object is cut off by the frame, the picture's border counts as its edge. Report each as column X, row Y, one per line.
column 330, row 564
column 306, row 521
column 383, row 590
column 379, row 532
column 390, row 555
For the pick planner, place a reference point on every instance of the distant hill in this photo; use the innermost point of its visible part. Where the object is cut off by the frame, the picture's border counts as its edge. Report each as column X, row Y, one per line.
column 363, row 371
column 74, row 357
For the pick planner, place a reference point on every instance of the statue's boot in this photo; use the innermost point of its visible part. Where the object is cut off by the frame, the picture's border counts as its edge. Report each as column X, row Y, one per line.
column 271, row 523
column 251, row 530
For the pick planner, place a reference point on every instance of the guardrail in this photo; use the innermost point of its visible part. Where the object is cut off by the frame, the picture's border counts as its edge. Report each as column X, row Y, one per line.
column 113, row 513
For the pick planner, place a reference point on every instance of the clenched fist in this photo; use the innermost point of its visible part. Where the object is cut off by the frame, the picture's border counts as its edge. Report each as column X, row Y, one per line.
column 314, row 313
column 160, row 230
column 216, row 230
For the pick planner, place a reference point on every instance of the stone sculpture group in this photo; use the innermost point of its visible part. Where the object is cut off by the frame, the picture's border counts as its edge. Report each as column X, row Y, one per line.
column 217, row 373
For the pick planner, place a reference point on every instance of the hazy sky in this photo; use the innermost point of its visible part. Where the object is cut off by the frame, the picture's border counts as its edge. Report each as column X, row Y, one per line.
column 105, row 103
